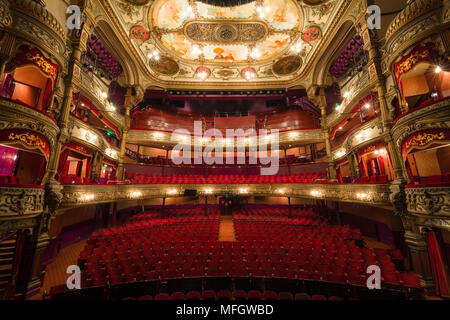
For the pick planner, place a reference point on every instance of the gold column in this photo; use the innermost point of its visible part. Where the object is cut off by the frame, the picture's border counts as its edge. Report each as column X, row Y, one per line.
column 326, row 133
column 120, row 170
column 397, row 161
column 375, row 70
column 65, row 112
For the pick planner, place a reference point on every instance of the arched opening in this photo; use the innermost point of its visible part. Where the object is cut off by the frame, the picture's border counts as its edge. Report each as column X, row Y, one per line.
column 23, row 157
column 29, row 79
column 375, row 164
column 75, row 164
column 427, row 156
column 422, row 79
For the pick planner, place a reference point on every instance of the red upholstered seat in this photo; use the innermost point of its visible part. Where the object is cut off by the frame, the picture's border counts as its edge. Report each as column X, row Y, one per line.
column 302, row 296
column 161, row 297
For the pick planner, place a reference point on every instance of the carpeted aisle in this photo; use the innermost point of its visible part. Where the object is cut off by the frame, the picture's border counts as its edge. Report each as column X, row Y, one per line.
column 226, row 229
column 56, row 271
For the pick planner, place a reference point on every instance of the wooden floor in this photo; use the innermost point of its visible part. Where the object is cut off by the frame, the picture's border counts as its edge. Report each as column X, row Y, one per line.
column 226, row 229
column 56, row 271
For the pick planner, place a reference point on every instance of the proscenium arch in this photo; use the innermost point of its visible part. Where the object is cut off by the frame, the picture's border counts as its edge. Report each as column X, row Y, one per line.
column 345, row 32
column 106, row 33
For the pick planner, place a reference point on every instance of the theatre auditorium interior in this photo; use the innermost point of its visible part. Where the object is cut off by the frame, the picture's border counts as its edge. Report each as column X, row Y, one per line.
column 224, row 150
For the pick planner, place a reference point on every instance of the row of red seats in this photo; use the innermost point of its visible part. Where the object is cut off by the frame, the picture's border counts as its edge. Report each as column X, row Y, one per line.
column 217, row 179
column 7, row 179
column 161, row 161
column 235, row 295
column 375, row 179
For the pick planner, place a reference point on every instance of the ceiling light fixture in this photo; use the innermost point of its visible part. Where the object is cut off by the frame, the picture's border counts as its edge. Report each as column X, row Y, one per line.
column 297, row 48
column 154, row 55
column 438, row 69
column 255, row 54
column 262, row 11
column 196, row 50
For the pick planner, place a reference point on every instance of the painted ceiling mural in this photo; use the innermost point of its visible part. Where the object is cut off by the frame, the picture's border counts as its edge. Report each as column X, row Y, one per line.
column 274, row 39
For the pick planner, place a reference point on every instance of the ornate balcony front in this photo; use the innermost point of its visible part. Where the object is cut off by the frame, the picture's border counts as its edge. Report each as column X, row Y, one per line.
column 84, row 134
column 14, row 115
column 431, row 204
column 164, row 139
column 372, row 194
column 355, row 89
column 94, row 88
column 369, row 132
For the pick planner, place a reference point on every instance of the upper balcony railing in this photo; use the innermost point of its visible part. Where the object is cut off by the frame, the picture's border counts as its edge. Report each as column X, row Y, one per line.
column 81, row 195
column 160, row 138
column 85, row 134
column 354, row 89
column 370, row 131
column 95, row 88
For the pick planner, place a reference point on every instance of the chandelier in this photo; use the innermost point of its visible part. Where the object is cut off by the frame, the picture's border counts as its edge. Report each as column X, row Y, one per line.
column 226, row 3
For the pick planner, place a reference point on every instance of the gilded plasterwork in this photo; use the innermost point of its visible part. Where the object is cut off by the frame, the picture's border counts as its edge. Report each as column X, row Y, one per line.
column 226, row 40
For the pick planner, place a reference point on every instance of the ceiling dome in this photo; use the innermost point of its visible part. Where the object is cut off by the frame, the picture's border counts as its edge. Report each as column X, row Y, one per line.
column 413, row 9
column 225, row 34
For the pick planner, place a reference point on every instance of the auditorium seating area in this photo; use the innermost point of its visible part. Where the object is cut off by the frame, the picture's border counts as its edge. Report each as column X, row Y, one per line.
column 216, row 179
column 183, row 244
column 162, row 161
column 235, row 295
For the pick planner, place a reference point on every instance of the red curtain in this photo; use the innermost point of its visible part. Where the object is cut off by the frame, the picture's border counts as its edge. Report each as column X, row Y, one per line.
column 47, row 94
column 88, row 169
column 437, row 265
column 62, row 161
column 41, row 171
column 381, row 165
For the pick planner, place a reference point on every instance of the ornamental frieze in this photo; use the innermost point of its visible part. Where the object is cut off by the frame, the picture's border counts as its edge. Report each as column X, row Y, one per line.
column 428, row 201
column 17, row 116
column 79, row 195
column 20, row 201
column 224, row 32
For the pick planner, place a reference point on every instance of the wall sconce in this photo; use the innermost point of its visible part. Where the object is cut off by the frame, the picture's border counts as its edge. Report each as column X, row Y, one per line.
column 87, row 197
column 158, row 135
column 172, row 191
column 243, row 190
column 154, row 55
column 135, row 194
column 316, row 193
column 209, row 191
column 362, row 196
column 340, row 153
column 280, row 191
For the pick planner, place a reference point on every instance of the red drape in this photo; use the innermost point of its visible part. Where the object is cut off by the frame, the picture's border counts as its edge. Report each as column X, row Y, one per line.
column 88, row 168
column 62, row 161
column 381, row 165
column 41, row 171
column 437, row 265
column 47, row 94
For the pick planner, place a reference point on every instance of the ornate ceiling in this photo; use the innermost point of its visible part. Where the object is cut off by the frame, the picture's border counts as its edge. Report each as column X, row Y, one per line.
column 192, row 41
